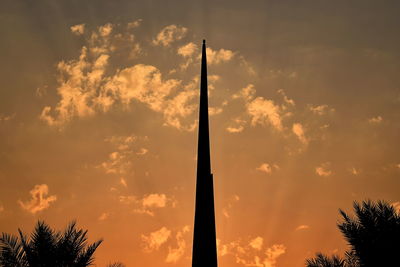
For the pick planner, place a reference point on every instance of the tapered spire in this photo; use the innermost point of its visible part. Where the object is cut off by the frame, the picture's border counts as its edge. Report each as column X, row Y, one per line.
column 203, row 152
column 204, row 236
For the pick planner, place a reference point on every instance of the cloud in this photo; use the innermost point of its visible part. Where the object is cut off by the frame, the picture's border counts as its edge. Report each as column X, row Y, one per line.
column 116, row 164
column 78, row 29
column 175, row 254
column 86, row 85
column 298, row 130
column 119, row 161
column 252, row 253
column 237, row 129
column 104, row 216
column 257, row 243
column 272, row 254
column 236, row 126
column 323, row 170
column 148, row 203
column 134, row 24
column 155, row 200
column 127, row 199
column 40, row 201
column 142, row 151
column 4, row 118
column 181, row 106
column 247, row 93
column 354, row 171
column 91, row 84
column 218, row 56
column 1, row 207
column 154, row 240
column 320, row 110
column 264, row 167
column 375, row 120
column 264, row 111
column 187, row 50
column 79, row 81
column 143, row 83
column 267, row 168
column 123, row 182
column 231, row 201
column 286, row 98
column 106, row 29
column 302, row 227
column 170, row 34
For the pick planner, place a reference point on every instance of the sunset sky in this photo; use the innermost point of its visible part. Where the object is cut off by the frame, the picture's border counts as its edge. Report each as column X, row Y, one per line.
column 98, row 122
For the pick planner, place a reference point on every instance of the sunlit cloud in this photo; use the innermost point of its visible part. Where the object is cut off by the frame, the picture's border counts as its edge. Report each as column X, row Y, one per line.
column 267, row 168
column 170, row 34
column 264, row 111
column 324, row 169
column 261, row 111
column 154, row 240
column 253, row 253
column 104, row 216
column 237, row 129
column 286, row 99
column 247, row 93
column 257, row 243
column 218, row 56
column 148, row 203
column 230, row 202
column 154, row 200
column 90, row 85
column 5, row 118
column 106, row 29
column 354, row 171
column 302, row 227
column 321, row 109
column 39, row 199
column 127, row 199
column 236, row 126
column 119, row 161
column 175, row 254
column 134, row 24
column 1, row 207
column 142, row 151
column 123, row 182
column 78, row 29
column 298, row 130
column 375, row 120
column 272, row 254
column 187, row 50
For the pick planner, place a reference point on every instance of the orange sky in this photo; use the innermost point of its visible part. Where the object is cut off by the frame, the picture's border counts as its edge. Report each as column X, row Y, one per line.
column 98, row 109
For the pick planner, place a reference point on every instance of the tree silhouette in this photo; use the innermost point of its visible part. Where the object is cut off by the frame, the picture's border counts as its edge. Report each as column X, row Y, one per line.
column 322, row 260
column 47, row 248
column 373, row 236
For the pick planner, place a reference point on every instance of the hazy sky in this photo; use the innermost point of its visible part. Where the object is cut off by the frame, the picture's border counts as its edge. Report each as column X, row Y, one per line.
column 98, row 109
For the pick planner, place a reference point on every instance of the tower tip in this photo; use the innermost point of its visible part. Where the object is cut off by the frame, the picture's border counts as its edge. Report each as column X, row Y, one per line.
column 204, row 41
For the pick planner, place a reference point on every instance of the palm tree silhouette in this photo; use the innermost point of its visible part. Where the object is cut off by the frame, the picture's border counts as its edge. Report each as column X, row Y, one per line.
column 47, row 248
column 373, row 236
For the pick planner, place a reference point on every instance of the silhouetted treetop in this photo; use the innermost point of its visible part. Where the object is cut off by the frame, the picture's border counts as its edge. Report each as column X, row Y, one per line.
column 373, row 236
column 47, row 248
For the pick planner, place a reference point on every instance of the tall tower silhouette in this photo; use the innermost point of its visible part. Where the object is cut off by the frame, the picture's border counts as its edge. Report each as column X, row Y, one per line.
column 204, row 237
